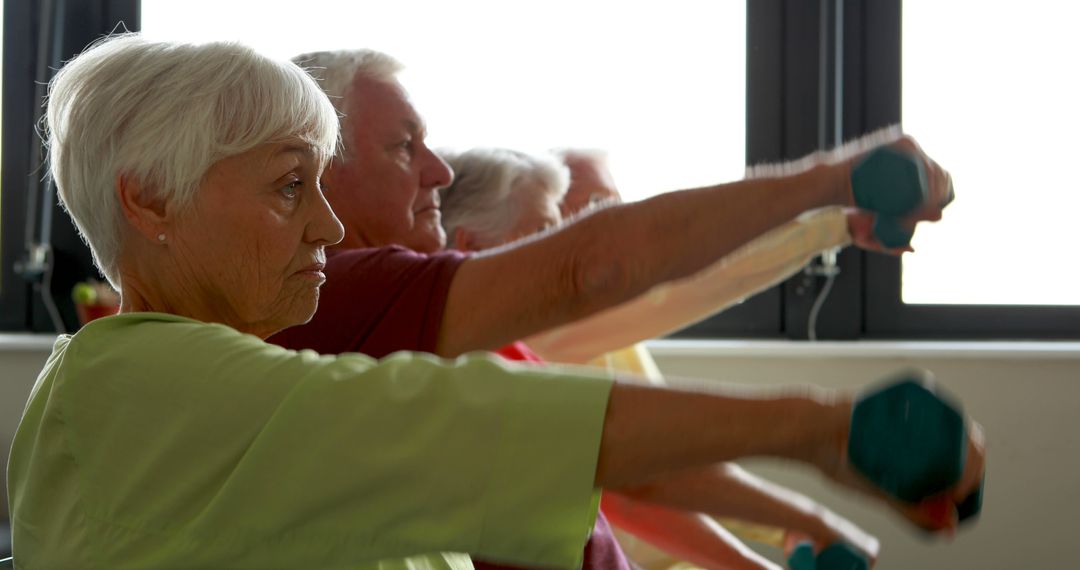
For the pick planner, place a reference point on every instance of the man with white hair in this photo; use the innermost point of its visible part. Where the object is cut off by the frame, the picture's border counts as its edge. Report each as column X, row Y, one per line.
column 384, row 187
column 384, row 182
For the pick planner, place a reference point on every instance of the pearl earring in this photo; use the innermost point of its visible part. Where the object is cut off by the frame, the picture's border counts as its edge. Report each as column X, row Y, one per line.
column 161, row 238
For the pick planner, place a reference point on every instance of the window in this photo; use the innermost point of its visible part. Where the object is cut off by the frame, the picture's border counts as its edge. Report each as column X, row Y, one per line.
column 684, row 95
column 661, row 89
column 995, row 73
column 992, row 92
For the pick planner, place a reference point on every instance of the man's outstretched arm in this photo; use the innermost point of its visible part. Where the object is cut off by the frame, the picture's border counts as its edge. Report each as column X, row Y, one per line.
column 615, row 254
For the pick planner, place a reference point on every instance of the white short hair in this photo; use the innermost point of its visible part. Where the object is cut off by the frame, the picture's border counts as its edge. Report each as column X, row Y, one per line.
column 485, row 196
column 163, row 113
column 336, row 72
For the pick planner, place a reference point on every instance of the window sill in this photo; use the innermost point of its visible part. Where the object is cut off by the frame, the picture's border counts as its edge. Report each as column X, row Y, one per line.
column 26, row 342
column 981, row 350
column 1035, row 350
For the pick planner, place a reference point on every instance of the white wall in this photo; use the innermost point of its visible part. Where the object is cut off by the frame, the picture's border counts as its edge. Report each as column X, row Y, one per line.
column 1028, row 401
column 1030, row 408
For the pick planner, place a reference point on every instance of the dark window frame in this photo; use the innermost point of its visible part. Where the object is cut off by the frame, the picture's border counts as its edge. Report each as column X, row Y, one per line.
column 17, row 126
column 792, row 83
column 886, row 316
column 77, row 24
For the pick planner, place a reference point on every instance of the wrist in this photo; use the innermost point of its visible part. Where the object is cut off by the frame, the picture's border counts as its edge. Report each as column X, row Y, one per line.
column 843, row 194
column 826, row 432
column 833, row 179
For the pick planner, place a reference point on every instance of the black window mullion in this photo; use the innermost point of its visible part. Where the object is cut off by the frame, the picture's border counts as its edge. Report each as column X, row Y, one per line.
column 79, row 22
column 18, row 101
column 821, row 80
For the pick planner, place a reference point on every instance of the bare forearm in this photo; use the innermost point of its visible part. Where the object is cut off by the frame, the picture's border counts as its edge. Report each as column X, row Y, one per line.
column 651, row 431
column 689, row 536
column 727, row 491
column 748, row 270
column 674, row 236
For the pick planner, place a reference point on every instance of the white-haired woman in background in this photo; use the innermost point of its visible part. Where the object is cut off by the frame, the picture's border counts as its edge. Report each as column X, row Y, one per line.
column 500, row 195
column 172, row 436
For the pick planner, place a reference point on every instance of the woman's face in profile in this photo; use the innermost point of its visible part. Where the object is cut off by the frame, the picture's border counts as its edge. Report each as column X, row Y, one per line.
column 251, row 247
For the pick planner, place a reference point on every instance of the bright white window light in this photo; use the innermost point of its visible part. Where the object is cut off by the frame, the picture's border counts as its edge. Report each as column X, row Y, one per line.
column 990, row 89
column 661, row 87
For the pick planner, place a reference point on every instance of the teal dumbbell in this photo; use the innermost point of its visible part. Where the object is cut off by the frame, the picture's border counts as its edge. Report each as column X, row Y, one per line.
column 838, row 556
column 910, row 440
column 892, row 184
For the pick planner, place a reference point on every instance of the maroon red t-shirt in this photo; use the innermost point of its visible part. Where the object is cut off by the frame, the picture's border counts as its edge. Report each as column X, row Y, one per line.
column 380, row 301
column 377, row 301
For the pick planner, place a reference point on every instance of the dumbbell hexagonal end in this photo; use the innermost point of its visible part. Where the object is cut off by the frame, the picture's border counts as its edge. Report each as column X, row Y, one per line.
column 841, row 556
column 802, row 557
column 891, row 233
column 889, row 182
column 908, row 439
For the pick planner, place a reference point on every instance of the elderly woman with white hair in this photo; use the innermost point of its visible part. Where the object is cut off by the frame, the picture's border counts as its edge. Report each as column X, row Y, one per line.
column 500, row 195
column 172, row 435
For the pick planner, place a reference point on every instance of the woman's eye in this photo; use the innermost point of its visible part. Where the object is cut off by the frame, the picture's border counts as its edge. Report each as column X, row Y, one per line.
column 291, row 191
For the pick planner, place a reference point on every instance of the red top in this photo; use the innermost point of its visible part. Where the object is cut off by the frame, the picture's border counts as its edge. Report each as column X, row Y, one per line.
column 377, row 301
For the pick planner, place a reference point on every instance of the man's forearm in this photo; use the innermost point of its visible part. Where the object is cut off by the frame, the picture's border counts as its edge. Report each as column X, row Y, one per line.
column 673, row 236
column 618, row 253
column 748, row 270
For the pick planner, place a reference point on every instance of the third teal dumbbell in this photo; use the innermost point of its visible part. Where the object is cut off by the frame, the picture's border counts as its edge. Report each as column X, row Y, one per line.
column 838, row 556
column 910, row 440
column 892, row 184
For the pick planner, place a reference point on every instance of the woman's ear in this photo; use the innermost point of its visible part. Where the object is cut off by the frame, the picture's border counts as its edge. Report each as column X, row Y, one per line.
column 146, row 212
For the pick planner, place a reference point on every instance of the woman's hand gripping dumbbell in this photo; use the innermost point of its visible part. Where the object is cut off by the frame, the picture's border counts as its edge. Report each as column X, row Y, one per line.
column 909, row 444
column 898, row 186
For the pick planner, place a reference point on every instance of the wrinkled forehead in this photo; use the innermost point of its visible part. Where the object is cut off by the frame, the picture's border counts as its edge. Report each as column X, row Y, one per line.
column 293, row 149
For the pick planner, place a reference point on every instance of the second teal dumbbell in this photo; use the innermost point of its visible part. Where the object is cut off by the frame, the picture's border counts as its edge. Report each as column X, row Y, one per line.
column 892, row 184
column 838, row 556
column 910, row 440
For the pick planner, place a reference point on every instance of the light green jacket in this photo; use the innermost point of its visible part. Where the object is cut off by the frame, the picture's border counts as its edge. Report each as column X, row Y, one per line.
column 155, row 441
